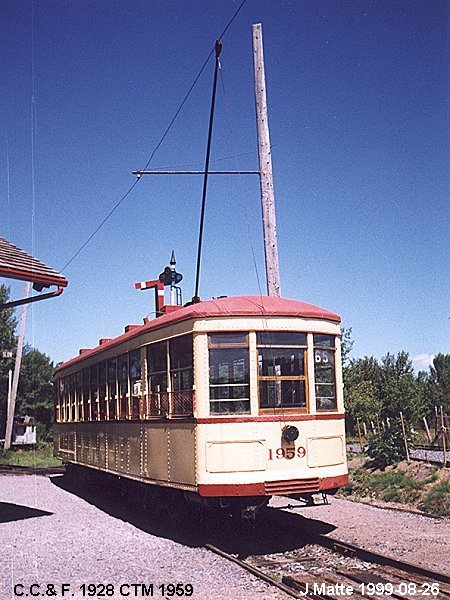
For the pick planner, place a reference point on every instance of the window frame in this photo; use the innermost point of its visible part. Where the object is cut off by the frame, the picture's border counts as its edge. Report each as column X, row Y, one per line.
column 334, row 382
column 225, row 345
column 135, row 400
column 123, row 399
column 112, row 390
column 162, row 402
column 284, row 409
column 177, row 397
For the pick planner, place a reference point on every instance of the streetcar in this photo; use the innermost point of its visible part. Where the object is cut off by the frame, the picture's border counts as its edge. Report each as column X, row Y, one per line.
column 225, row 402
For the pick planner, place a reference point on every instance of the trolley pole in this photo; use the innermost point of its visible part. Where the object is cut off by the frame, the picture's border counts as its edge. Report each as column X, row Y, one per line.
column 265, row 166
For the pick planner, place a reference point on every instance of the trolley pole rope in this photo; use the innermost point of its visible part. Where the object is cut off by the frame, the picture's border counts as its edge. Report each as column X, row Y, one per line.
column 205, row 178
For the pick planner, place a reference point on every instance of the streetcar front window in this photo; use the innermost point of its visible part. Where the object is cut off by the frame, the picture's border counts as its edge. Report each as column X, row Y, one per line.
column 324, row 370
column 281, row 370
column 229, row 373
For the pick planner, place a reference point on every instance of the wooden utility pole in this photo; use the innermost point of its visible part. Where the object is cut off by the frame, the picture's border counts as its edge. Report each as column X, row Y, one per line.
column 443, row 430
column 427, row 429
column 15, row 382
column 359, row 435
column 265, row 166
column 404, row 436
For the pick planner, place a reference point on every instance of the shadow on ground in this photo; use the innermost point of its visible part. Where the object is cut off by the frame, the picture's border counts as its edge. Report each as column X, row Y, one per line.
column 16, row 512
column 273, row 531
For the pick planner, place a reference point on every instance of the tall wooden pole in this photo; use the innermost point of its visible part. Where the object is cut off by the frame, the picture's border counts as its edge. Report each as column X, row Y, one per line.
column 404, row 436
column 443, row 430
column 15, row 382
column 265, row 166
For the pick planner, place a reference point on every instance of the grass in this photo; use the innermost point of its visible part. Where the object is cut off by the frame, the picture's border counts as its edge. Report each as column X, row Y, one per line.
column 436, row 500
column 41, row 457
column 420, row 486
column 397, row 486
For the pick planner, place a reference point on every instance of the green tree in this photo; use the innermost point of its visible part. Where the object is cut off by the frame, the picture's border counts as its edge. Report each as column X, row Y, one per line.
column 400, row 391
column 437, row 385
column 346, row 344
column 8, row 343
column 35, row 393
column 362, row 389
column 361, row 402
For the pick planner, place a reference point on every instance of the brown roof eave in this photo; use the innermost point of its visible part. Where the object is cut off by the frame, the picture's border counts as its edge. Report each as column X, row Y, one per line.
column 45, row 280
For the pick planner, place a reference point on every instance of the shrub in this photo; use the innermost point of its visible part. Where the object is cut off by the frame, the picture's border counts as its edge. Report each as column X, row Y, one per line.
column 389, row 448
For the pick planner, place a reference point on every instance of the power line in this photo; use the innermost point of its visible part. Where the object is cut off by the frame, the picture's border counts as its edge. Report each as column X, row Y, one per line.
column 163, row 137
column 213, row 160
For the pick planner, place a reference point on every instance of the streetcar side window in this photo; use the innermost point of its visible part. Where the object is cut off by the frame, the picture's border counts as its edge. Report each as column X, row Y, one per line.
column 61, row 400
column 282, row 370
column 134, row 359
column 86, row 395
column 182, row 375
column 57, row 400
column 102, row 389
column 229, row 386
column 65, row 399
column 112, row 387
column 122, row 377
column 69, row 397
column 93, row 385
column 324, row 371
column 157, row 398
column 78, row 391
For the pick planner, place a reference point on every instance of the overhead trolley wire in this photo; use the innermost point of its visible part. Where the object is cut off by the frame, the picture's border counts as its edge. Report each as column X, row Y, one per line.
column 158, row 145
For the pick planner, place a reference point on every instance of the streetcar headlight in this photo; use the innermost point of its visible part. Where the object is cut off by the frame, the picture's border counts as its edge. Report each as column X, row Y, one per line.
column 290, row 433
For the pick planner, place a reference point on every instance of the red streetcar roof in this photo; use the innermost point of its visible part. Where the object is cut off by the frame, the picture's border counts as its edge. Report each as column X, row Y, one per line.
column 18, row 264
column 233, row 306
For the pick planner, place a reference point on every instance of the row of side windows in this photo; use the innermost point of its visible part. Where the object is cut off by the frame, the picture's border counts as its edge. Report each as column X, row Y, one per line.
column 112, row 389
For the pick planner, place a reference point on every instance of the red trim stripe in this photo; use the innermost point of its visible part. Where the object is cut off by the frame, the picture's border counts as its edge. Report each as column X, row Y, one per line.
column 263, row 489
column 215, row 420
column 238, row 489
column 332, row 483
column 270, row 418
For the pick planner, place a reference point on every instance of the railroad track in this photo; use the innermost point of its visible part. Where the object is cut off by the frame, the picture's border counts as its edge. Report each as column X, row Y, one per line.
column 324, row 568
column 21, row 470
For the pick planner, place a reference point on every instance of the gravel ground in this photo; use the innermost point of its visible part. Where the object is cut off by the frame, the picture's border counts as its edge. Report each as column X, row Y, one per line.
column 402, row 535
column 51, row 536
column 436, row 456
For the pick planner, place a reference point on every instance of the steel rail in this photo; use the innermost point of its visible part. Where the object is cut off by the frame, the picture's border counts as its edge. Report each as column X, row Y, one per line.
column 261, row 575
column 296, row 588
column 388, row 567
column 347, row 549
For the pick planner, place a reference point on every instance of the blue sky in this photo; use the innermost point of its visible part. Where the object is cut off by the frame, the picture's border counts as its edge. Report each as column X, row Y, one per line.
column 358, row 111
